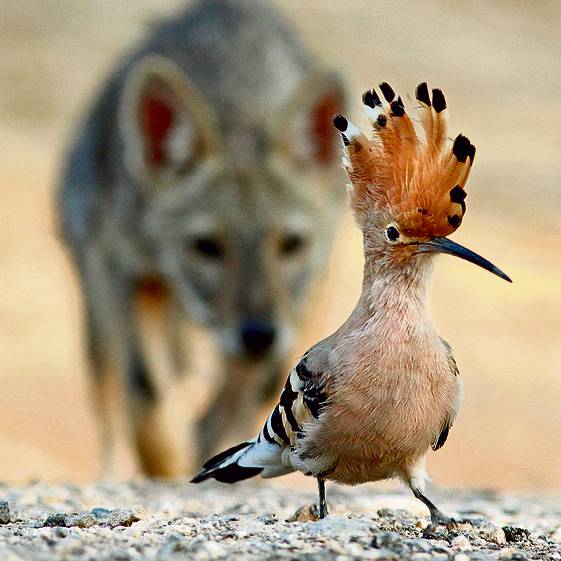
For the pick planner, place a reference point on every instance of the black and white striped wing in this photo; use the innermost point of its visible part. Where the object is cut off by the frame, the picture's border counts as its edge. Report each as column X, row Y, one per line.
column 303, row 399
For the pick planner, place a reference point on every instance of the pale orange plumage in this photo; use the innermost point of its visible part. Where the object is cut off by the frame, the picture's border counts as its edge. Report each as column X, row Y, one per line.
column 409, row 169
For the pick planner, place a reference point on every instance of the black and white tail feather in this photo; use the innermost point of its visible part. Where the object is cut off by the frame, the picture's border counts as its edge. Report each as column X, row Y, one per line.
column 269, row 454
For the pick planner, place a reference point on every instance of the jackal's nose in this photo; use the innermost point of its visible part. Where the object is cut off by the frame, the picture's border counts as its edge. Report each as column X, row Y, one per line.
column 257, row 337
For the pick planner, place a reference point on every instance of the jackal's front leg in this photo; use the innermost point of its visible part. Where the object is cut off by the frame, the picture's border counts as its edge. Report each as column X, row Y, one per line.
column 104, row 292
column 157, row 415
column 105, row 387
column 246, row 387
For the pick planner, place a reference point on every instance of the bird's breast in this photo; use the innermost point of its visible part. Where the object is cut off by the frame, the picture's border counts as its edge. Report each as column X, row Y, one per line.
column 387, row 408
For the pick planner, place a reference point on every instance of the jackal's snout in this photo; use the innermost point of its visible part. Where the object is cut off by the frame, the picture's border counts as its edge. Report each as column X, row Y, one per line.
column 258, row 337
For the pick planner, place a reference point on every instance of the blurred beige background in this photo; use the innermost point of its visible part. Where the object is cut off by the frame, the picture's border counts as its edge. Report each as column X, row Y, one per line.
column 497, row 61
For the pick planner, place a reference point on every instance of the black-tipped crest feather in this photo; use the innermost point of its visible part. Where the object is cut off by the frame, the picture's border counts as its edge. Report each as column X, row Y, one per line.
column 438, row 100
column 387, row 91
column 371, row 99
column 462, row 148
column 340, row 123
column 397, row 108
column 422, row 94
column 457, row 194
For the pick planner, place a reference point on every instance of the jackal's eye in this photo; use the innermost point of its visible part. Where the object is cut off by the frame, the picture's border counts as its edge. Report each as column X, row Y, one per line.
column 392, row 233
column 208, row 247
column 290, row 244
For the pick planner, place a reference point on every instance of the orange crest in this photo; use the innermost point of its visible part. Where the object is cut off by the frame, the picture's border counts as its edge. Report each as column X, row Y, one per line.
column 408, row 170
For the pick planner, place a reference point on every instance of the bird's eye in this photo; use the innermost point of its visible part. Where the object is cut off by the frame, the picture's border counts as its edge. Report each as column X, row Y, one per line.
column 290, row 244
column 208, row 247
column 392, row 233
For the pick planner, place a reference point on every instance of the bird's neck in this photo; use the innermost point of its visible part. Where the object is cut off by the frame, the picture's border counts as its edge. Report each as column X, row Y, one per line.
column 394, row 294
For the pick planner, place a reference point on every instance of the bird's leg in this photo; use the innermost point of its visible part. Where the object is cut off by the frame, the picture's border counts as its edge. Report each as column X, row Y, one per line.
column 322, row 502
column 436, row 516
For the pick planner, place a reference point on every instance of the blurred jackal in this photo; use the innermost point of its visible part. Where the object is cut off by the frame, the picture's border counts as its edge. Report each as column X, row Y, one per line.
column 203, row 183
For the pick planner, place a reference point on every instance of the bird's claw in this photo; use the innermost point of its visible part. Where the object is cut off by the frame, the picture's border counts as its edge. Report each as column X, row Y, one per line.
column 440, row 519
column 315, row 511
column 450, row 526
column 321, row 511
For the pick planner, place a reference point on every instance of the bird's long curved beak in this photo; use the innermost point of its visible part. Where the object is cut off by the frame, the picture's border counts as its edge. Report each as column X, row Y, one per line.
column 444, row 245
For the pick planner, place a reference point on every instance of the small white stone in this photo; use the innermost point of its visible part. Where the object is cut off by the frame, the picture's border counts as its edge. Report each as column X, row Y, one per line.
column 135, row 531
column 497, row 536
column 505, row 554
column 461, row 543
column 210, row 550
column 421, row 556
column 139, row 511
column 13, row 557
column 461, row 557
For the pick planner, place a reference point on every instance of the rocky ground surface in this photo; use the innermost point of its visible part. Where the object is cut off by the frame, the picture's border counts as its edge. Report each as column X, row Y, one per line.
column 258, row 521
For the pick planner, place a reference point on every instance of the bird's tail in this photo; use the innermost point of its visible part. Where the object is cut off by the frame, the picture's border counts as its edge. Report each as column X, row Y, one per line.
column 225, row 466
column 243, row 461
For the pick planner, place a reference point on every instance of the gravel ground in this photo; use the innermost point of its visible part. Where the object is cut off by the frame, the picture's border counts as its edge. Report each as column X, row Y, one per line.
column 258, row 521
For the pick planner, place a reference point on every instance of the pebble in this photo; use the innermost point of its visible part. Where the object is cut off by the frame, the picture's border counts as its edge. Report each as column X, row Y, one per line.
column 58, row 519
column 11, row 557
column 80, row 520
column 144, row 520
column 101, row 513
column 210, row 550
column 461, row 543
column 386, row 539
column 62, row 532
column 514, row 534
column 122, row 517
column 5, row 514
column 496, row 536
column 505, row 554
column 305, row 513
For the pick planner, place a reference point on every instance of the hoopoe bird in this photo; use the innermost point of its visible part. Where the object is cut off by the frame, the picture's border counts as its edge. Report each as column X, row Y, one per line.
column 368, row 402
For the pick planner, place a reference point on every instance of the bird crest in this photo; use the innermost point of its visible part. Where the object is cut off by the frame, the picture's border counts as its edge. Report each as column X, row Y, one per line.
column 407, row 167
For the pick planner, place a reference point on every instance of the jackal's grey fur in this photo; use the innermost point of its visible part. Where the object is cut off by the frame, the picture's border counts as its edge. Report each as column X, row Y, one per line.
column 203, row 181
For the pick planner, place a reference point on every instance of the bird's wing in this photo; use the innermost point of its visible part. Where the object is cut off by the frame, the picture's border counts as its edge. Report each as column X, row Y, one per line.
column 304, row 397
column 301, row 403
column 442, row 437
column 450, row 355
column 440, row 440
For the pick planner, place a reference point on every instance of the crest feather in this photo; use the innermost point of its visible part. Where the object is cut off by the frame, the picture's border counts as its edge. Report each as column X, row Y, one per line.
column 409, row 169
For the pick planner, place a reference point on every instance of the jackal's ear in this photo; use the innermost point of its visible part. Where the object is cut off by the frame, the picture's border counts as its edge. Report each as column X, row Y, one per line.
column 165, row 125
column 305, row 126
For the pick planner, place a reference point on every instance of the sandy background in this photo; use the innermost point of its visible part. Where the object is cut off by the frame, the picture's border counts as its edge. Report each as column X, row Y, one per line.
column 498, row 63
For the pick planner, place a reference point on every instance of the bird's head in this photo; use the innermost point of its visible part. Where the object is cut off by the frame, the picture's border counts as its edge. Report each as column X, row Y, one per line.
column 408, row 181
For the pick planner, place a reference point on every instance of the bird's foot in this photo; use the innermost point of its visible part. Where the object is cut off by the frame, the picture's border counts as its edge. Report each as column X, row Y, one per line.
column 320, row 511
column 437, row 519
column 315, row 512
